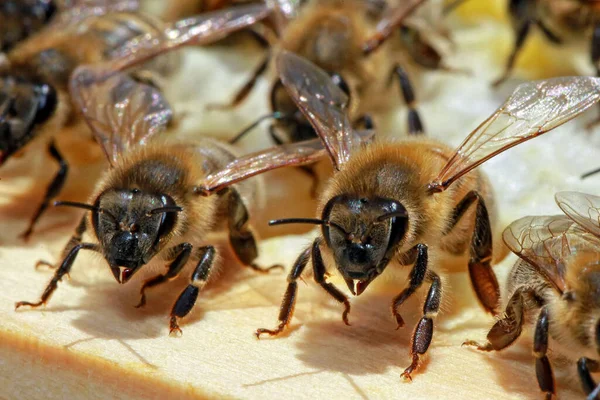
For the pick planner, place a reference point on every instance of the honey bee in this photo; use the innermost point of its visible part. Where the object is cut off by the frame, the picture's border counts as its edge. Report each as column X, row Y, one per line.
column 556, row 279
column 34, row 97
column 557, row 20
column 23, row 18
column 342, row 37
column 393, row 203
column 162, row 195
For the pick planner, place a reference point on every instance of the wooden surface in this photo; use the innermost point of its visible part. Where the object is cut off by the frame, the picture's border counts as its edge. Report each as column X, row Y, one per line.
column 90, row 342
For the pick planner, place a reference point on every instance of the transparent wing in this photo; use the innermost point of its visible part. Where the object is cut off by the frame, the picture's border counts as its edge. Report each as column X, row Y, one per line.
column 582, row 208
column 389, row 24
column 75, row 11
column 120, row 111
column 321, row 101
column 201, row 29
column 293, row 154
column 534, row 108
column 546, row 241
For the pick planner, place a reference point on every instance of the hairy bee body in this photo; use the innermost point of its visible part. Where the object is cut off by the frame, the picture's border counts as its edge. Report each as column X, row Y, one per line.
column 570, row 18
column 173, row 170
column 401, row 171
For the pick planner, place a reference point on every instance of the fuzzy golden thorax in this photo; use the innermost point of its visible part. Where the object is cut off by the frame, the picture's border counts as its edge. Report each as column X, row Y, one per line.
column 129, row 223
column 577, row 313
column 379, row 206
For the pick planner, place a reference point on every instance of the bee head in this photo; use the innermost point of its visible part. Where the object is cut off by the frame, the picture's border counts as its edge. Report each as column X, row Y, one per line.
column 363, row 234
column 132, row 226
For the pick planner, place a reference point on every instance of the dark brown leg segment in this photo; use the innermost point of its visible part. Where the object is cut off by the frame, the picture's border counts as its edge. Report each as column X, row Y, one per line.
column 424, row 331
column 417, row 276
column 240, row 236
column 543, row 369
column 482, row 275
column 506, row 330
column 52, row 190
column 74, row 241
column 415, row 126
column 521, row 13
column 186, row 300
column 289, row 298
column 584, row 368
column 181, row 254
column 319, row 275
column 595, row 58
column 64, row 268
column 243, row 93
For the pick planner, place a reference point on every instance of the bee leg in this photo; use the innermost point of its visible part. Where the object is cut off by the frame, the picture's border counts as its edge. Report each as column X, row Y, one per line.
column 274, row 136
column 521, row 14
column 186, row 300
column 53, row 189
column 417, row 276
column 64, row 269
column 584, row 367
column 595, row 56
column 423, row 333
column 506, row 330
column 181, row 254
column 415, row 126
column 286, row 310
column 319, row 276
column 543, row 368
column 240, row 236
column 74, row 241
column 482, row 275
column 245, row 90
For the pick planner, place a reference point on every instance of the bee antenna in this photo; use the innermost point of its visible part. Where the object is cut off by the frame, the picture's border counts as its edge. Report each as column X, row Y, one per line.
column 393, row 214
column 85, row 207
column 314, row 221
column 159, row 210
column 590, row 173
column 275, row 115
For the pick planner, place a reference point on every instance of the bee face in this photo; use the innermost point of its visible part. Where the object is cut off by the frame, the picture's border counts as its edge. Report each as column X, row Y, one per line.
column 363, row 233
column 130, row 229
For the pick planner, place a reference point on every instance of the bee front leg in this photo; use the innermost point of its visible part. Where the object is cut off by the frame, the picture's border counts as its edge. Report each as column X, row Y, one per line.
column 543, row 368
column 240, row 236
column 52, row 190
column 289, row 298
column 481, row 273
column 415, row 126
column 64, row 269
column 423, row 333
column 74, row 241
column 506, row 330
column 186, row 300
column 181, row 254
column 417, row 276
column 584, row 367
column 319, row 276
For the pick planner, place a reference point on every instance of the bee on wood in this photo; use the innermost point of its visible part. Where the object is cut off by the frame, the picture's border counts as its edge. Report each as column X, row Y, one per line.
column 342, row 37
column 34, row 97
column 557, row 20
column 393, row 203
column 557, row 279
column 160, row 196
